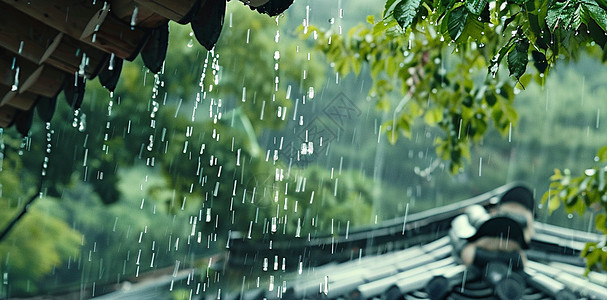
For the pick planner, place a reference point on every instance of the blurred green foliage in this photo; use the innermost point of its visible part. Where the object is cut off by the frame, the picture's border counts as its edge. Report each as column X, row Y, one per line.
column 42, row 241
column 171, row 153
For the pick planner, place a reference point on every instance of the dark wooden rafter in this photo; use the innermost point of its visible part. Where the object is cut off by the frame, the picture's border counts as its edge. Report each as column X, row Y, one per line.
column 23, row 35
column 23, row 101
column 47, row 46
column 14, row 69
column 45, row 80
column 25, row 77
column 38, row 43
column 88, row 21
column 177, row 11
column 73, row 56
column 139, row 15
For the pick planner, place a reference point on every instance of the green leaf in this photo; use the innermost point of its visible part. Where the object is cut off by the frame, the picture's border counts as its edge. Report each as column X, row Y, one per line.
column 524, row 81
column 545, row 197
column 597, row 14
column 521, row 2
column 474, row 28
column 539, row 61
column 433, row 116
column 371, row 19
column 518, row 57
column 388, row 7
column 404, row 124
column 561, row 14
column 497, row 59
column 600, row 222
column 592, row 255
column 475, row 7
column 557, row 175
column 392, row 135
column 490, row 98
column 356, row 66
column 602, row 154
column 456, row 22
column 405, row 11
column 383, row 104
column 554, row 202
column 601, row 186
column 576, row 18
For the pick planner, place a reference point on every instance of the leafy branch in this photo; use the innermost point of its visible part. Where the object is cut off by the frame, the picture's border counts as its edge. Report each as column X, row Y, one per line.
column 588, row 191
column 419, row 48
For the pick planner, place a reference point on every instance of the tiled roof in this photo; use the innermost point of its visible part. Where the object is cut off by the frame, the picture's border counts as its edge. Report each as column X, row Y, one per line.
column 49, row 46
column 430, row 270
column 407, row 274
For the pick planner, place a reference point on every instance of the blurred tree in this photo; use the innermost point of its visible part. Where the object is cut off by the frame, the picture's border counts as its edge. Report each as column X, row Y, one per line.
column 41, row 242
column 196, row 124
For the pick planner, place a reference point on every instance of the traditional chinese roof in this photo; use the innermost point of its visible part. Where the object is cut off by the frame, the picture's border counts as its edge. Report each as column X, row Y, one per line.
column 428, row 269
column 49, row 46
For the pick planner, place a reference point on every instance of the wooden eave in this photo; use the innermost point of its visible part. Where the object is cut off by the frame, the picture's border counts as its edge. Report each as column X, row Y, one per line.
column 49, row 46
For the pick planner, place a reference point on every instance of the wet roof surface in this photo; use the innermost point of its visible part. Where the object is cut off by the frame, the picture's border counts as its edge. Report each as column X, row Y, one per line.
column 427, row 269
column 430, row 271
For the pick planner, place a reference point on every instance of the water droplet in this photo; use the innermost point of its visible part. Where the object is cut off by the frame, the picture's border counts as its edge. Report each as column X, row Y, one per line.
column 15, row 85
column 111, row 63
column 134, row 17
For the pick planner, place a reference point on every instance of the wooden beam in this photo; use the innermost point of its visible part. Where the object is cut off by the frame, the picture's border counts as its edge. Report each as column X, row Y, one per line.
column 88, row 21
column 19, row 75
column 68, row 55
column 24, row 35
column 136, row 15
column 14, row 69
column 25, row 101
column 46, row 81
column 114, row 36
column 11, row 98
column 21, row 101
column 170, row 9
column 69, row 16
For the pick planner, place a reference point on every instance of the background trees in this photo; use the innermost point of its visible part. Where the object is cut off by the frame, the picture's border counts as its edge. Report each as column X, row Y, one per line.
column 177, row 157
